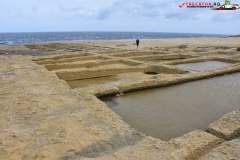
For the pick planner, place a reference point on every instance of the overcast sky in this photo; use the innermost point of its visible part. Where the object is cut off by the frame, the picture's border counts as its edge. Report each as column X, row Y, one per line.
column 115, row 15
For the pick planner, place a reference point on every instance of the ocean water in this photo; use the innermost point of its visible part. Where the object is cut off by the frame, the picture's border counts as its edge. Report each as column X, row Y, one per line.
column 19, row 38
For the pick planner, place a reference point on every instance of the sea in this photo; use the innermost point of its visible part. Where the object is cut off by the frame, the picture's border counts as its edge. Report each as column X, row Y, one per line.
column 31, row 37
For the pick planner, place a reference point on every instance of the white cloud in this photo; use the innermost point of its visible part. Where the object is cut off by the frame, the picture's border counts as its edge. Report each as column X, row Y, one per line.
column 103, row 14
column 113, row 15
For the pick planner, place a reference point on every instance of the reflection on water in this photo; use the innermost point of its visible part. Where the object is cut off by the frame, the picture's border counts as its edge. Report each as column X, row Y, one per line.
column 170, row 112
column 203, row 65
column 111, row 102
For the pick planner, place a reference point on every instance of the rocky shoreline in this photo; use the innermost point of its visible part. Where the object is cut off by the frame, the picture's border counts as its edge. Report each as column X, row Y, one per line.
column 43, row 118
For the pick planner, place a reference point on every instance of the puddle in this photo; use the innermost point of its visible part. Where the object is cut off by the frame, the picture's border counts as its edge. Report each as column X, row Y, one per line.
column 104, row 81
column 200, row 66
column 151, row 73
column 170, row 112
column 162, row 60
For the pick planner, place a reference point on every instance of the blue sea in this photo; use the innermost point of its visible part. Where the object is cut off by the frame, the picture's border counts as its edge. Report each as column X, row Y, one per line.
column 20, row 38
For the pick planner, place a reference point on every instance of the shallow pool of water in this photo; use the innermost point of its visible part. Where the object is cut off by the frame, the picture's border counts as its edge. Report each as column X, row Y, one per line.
column 170, row 112
column 162, row 60
column 203, row 65
column 105, row 81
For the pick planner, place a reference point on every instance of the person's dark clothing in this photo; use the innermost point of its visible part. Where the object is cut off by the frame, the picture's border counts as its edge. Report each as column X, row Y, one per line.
column 137, row 42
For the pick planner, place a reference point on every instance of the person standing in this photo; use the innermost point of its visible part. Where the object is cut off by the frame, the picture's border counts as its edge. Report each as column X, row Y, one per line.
column 137, row 42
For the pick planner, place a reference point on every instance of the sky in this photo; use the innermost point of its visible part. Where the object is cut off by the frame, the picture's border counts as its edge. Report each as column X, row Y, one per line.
column 115, row 15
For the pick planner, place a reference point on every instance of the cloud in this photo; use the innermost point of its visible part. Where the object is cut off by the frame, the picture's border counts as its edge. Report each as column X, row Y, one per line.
column 118, row 15
column 225, row 16
column 103, row 14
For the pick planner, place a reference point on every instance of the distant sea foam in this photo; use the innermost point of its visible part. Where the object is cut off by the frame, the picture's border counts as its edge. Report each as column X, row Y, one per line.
column 20, row 38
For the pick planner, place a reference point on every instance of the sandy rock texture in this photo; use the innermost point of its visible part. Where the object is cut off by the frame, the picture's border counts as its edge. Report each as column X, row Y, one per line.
column 228, row 150
column 42, row 119
column 228, row 127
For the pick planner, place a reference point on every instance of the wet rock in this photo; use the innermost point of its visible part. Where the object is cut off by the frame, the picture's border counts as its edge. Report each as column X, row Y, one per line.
column 238, row 49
